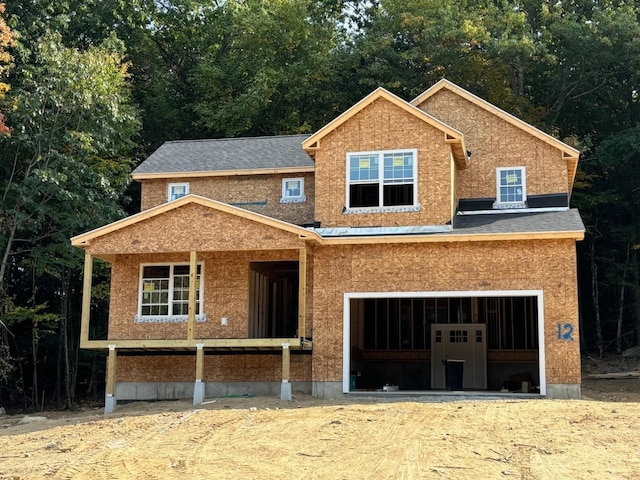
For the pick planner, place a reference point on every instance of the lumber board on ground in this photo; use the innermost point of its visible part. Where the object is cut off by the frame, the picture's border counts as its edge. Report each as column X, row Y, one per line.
column 614, row 375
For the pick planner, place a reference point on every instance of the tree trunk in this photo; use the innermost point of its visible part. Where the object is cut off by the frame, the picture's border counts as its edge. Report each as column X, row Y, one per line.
column 34, row 358
column 595, row 294
column 623, row 282
column 635, row 288
column 64, row 278
column 5, row 256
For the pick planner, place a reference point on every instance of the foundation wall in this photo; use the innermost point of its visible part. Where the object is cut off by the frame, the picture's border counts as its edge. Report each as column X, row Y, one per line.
column 495, row 143
column 383, row 126
column 225, row 278
column 548, row 265
column 257, row 193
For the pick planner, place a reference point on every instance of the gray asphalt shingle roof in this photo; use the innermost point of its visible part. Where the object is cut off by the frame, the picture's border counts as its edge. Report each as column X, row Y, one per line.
column 563, row 221
column 247, row 153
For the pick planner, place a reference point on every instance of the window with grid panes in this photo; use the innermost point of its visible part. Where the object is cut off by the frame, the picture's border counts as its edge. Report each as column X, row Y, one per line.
column 165, row 290
column 511, row 183
column 381, row 179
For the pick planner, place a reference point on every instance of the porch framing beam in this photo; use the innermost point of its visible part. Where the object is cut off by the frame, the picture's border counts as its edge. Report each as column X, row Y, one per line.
column 193, row 276
column 302, row 291
column 209, row 343
column 86, row 297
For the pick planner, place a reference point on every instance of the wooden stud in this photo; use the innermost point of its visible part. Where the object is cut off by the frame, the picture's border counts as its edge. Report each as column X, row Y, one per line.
column 199, row 361
column 286, row 362
column 111, row 371
column 193, row 276
column 86, row 297
column 302, row 292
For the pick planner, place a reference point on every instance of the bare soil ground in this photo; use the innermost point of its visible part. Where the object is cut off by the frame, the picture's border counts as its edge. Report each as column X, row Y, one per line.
column 264, row 437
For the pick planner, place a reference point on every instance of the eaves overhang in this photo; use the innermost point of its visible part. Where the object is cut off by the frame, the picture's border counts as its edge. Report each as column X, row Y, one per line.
column 222, row 173
column 453, row 237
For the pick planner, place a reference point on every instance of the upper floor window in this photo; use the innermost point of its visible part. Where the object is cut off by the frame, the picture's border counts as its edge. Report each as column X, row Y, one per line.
column 381, row 179
column 511, row 183
column 164, row 292
column 292, row 190
column 177, row 190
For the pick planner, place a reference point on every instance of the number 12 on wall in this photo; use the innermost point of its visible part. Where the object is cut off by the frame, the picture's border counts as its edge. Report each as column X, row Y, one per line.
column 565, row 331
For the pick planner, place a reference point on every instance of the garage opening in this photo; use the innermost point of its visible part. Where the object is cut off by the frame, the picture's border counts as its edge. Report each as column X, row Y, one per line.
column 408, row 343
column 273, row 299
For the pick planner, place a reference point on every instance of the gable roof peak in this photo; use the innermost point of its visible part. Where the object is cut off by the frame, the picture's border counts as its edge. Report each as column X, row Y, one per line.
column 453, row 136
column 569, row 153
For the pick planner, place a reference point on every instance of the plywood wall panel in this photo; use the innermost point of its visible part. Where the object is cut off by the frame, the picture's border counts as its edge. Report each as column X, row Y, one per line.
column 547, row 265
column 217, row 368
column 383, row 126
column 495, row 143
column 257, row 193
column 193, row 227
column 226, row 283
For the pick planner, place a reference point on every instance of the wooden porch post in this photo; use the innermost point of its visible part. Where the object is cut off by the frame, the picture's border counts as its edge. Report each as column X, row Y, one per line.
column 302, row 292
column 110, row 400
column 193, row 276
column 86, row 298
column 199, row 387
column 285, row 389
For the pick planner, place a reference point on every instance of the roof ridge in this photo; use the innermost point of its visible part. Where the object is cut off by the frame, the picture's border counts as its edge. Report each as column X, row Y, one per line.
column 261, row 137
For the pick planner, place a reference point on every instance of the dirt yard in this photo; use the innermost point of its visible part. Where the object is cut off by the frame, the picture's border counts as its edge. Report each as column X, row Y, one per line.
column 263, row 438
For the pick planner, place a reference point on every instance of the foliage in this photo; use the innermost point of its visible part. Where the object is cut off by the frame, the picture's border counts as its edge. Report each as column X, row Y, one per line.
column 64, row 170
column 267, row 68
column 6, row 42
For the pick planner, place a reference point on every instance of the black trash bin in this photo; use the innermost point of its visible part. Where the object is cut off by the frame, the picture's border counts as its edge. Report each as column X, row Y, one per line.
column 453, row 371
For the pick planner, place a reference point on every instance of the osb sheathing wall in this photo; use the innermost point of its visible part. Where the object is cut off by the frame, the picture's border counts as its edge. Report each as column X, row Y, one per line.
column 193, row 227
column 225, row 280
column 217, row 368
column 225, row 283
column 494, row 143
column 548, row 265
column 258, row 193
column 383, row 126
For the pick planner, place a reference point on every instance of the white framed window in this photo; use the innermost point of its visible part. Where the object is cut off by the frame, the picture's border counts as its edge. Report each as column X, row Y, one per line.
column 511, row 187
column 382, row 179
column 164, row 293
column 292, row 190
column 177, row 190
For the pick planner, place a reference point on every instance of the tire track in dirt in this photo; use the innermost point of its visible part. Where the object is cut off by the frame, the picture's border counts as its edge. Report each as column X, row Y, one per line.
column 112, row 459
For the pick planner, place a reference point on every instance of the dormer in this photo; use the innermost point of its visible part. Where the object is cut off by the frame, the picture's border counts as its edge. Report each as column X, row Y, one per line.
column 385, row 163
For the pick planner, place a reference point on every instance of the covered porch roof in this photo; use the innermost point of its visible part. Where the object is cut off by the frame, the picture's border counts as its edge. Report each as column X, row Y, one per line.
column 192, row 223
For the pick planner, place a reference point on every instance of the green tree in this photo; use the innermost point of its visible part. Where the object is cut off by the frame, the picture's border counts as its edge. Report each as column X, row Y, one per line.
column 588, row 82
column 268, row 70
column 65, row 167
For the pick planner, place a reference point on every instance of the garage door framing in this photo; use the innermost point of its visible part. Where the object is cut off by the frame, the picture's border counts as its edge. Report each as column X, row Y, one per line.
column 346, row 324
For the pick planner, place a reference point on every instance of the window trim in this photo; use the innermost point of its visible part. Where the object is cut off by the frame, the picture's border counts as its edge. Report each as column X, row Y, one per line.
column 381, row 208
column 171, row 186
column 169, row 318
column 518, row 204
column 293, row 199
